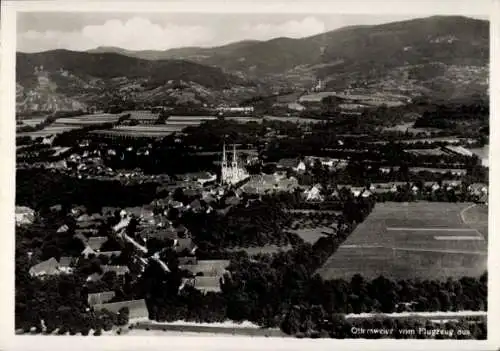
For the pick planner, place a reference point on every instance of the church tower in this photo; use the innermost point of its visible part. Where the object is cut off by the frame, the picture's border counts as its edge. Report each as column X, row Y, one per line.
column 234, row 173
column 235, row 158
column 224, row 168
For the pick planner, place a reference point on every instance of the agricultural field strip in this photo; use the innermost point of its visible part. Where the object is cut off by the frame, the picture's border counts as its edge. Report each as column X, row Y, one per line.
column 412, row 249
column 431, row 229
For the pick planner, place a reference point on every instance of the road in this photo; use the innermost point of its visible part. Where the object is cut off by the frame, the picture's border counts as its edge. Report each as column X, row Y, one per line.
column 427, row 315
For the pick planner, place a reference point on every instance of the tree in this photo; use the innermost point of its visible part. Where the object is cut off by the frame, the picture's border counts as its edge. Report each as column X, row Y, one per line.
column 123, row 316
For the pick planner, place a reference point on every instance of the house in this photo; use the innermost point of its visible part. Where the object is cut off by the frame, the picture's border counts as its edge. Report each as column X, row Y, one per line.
column 187, row 260
column 478, row 189
column 232, row 201
column 94, row 277
column 357, row 191
column 287, row 163
column 96, row 242
column 87, row 251
column 195, row 205
column 204, row 177
column 142, row 213
column 208, row 197
column 203, row 284
column 86, row 231
column 100, row 298
column 314, row 194
column 159, row 233
column 366, row 193
column 214, row 268
column 83, row 218
column 48, row 267
column 435, row 187
column 176, row 204
column 109, row 253
column 185, row 244
column 63, row 229
column 452, row 183
column 56, row 208
column 137, row 309
column 301, row 167
column 119, row 270
column 24, row 215
column 66, row 263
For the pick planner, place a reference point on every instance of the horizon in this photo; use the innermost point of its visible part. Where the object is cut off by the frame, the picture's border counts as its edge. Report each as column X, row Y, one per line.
column 83, row 32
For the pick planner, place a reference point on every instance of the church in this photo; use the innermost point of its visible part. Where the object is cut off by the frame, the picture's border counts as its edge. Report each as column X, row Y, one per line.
column 233, row 174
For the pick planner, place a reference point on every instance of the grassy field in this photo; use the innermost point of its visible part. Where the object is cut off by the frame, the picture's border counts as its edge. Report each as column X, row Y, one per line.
column 89, row 119
column 53, row 129
column 432, row 152
column 142, row 130
column 311, row 235
column 32, row 122
column 427, row 240
column 245, row 119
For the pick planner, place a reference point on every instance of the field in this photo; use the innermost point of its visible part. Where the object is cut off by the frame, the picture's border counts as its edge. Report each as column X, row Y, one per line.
column 457, row 171
column 404, row 127
column 427, row 240
column 32, row 122
column 89, row 119
column 141, row 130
column 311, row 235
column 244, row 119
column 449, row 140
column 368, row 99
column 426, row 152
column 53, row 129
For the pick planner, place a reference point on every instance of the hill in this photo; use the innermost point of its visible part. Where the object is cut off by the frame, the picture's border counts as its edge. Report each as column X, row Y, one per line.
column 445, row 57
column 440, row 54
column 48, row 78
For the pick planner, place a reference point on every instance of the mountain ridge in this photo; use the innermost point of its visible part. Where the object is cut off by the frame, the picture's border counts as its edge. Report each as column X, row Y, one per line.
column 444, row 55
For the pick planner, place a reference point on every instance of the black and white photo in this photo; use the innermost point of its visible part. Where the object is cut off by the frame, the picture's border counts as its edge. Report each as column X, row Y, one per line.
column 284, row 175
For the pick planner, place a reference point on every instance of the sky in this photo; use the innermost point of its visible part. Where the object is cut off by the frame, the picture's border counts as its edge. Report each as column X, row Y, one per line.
column 79, row 31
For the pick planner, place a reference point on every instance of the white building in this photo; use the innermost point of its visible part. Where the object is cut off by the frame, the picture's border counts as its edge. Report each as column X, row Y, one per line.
column 232, row 174
column 24, row 215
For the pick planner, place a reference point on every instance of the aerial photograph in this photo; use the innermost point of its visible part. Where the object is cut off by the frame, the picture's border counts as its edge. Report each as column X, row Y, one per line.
column 260, row 175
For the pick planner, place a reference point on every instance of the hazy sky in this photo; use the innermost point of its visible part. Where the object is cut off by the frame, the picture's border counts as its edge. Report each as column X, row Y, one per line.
column 82, row 31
